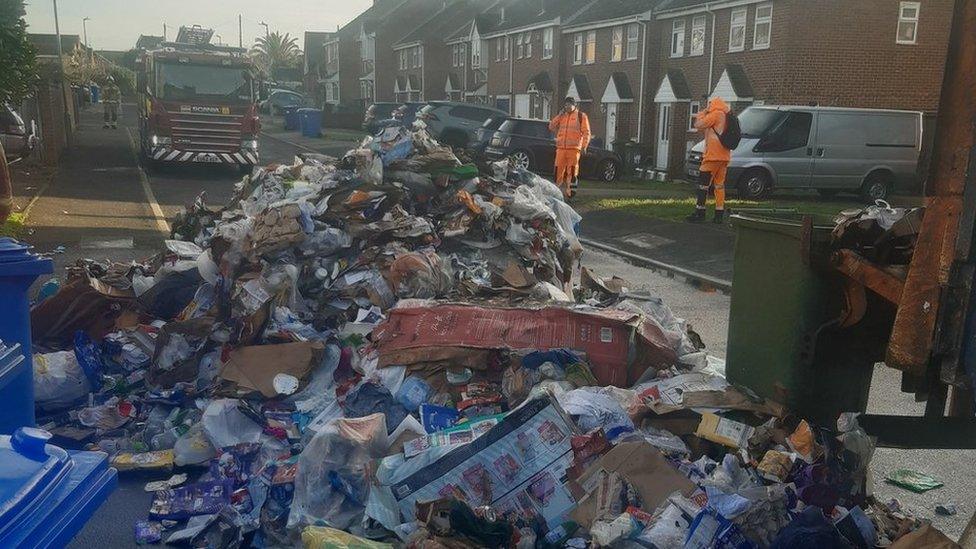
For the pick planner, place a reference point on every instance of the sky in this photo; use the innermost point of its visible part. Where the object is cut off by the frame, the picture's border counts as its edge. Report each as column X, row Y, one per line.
column 117, row 24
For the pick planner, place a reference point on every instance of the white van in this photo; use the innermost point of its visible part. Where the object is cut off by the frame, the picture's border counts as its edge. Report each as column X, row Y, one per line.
column 830, row 149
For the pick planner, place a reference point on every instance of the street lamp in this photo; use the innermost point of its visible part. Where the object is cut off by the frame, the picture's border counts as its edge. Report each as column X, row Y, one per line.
column 266, row 32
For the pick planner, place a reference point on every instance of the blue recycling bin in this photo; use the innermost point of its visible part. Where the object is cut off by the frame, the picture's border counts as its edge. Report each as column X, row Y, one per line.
column 18, row 270
column 96, row 93
column 47, row 494
column 311, row 122
column 291, row 117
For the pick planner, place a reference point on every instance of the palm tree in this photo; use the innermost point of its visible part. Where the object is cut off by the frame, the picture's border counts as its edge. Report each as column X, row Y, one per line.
column 276, row 50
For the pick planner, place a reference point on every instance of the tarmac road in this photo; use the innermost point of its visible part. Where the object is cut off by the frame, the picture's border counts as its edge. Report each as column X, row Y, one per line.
column 98, row 207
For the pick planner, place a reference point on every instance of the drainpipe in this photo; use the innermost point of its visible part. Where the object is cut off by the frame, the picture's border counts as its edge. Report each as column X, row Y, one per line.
column 423, row 72
column 643, row 72
column 511, row 74
column 711, row 53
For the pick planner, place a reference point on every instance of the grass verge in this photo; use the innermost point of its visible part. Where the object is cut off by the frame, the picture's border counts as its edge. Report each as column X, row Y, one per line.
column 676, row 208
column 14, row 226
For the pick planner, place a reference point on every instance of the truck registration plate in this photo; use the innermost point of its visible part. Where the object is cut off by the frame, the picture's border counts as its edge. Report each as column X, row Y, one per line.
column 207, row 158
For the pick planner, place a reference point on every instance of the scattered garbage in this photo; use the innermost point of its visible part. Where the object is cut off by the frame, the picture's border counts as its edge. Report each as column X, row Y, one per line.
column 398, row 348
column 913, row 480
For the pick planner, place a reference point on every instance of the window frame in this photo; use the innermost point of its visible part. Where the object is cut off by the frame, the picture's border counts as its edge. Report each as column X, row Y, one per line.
column 506, row 48
column 733, row 25
column 498, row 50
column 578, row 48
column 454, row 55
column 698, row 28
column 902, row 19
column 462, row 55
column 767, row 20
column 678, row 38
column 519, row 47
column 616, row 44
column 632, row 44
column 548, row 41
column 528, row 45
column 590, row 41
column 403, row 60
column 693, row 108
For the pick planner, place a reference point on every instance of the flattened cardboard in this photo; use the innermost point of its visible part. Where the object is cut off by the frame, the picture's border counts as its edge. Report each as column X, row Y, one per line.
column 254, row 368
column 643, row 466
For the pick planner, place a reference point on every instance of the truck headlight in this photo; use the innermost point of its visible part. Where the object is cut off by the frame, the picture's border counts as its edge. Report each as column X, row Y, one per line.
column 158, row 140
column 249, row 144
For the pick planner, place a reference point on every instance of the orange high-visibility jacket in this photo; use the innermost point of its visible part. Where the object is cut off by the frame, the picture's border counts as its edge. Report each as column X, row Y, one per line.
column 572, row 130
column 711, row 121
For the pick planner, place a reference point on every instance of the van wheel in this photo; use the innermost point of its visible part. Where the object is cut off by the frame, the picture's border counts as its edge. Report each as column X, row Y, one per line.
column 521, row 160
column 876, row 187
column 755, row 184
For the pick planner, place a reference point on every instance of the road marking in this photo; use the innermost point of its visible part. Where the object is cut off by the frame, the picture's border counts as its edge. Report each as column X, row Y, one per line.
column 158, row 214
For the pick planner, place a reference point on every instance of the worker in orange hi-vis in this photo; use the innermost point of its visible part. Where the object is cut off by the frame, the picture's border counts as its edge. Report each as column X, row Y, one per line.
column 571, row 127
column 713, row 122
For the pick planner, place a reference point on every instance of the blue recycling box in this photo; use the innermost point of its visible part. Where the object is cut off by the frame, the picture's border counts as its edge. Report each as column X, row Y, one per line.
column 311, row 122
column 19, row 268
column 47, row 494
column 96, row 93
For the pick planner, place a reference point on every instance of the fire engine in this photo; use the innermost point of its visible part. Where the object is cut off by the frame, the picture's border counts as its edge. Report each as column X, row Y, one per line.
column 197, row 103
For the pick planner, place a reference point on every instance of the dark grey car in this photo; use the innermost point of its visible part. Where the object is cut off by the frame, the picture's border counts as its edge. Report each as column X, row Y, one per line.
column 18, row 139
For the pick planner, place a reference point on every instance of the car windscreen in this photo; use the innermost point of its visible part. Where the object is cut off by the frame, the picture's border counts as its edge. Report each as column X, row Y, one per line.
column 755, row 122
column 211, row 83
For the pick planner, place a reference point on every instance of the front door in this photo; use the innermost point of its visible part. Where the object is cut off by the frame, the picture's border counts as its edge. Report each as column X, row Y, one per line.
column 611, row 125
column 663, row 135
column 523, row 105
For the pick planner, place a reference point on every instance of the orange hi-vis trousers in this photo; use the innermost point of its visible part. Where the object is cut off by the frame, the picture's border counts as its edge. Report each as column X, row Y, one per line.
column 567, row 166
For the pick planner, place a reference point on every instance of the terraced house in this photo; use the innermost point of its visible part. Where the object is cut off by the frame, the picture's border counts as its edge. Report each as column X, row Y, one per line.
column 869, row 53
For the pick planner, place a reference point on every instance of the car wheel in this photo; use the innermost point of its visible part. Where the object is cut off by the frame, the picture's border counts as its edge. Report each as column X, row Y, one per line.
column 828, row 193
column 521, row 160
column 876, row 187
column 755, row 184
column 607, row 171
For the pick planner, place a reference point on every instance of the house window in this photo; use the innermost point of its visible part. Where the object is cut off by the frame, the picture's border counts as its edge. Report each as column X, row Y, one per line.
column 737, row 30
column 420, row 56
column 498, row 49
column 633, row 40
column 476, row 53
column 617, row 44
column 764, row 27
column 528, row 45
column 403, row 59
column 678, row 38
column 455, row 54
column 463, row 57
column 591, row 47
column 908, row 22
column 547, row 43
column 578, row 49
column 519, row 47
column 698, row 35
column 505, row 47
column 693, row 109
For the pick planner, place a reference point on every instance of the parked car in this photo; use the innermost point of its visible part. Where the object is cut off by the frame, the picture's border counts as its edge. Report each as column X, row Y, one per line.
column 378, row 112
column 280, row 99
column 865, row 151
column 484, row 134
column 530, row 145
column 456, row 124
column 18, row 139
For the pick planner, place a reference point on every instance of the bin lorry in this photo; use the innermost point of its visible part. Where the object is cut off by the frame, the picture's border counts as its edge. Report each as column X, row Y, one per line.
column 197, row 103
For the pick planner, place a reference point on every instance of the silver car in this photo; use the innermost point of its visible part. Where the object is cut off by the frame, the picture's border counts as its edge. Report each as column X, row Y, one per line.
column 18, row 139
column 456, row 124
column 865, row 151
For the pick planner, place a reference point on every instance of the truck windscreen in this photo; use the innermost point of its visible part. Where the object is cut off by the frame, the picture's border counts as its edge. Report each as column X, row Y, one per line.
column 213, row 83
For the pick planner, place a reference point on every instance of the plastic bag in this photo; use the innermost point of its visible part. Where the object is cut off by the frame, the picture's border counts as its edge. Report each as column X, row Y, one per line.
column 193, row 447
column 332, row 484
column 669, row 530
column 595, row 410
column 59, row 380
column 225, row 425
column 527, row 206
column 413, row 392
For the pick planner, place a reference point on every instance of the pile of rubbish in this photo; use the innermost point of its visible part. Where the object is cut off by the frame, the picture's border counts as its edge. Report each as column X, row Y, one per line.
column 399, row 348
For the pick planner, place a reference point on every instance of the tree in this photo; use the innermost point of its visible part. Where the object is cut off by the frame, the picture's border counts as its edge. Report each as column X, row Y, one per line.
column 17, row 54
column 276, row 51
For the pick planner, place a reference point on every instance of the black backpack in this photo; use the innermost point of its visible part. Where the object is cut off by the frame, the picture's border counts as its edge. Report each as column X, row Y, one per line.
column 733, row 132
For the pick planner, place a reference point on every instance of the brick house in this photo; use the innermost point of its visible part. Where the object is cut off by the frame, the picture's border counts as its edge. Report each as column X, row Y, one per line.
column 314, row 64
column 428, row 68
column 869, row 53
column 524, row 67
column 470, row 54
column 604, row 66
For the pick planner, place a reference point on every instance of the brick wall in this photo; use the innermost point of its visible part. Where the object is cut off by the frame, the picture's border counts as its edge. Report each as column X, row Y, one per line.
column 499, row 75
column 53, row 129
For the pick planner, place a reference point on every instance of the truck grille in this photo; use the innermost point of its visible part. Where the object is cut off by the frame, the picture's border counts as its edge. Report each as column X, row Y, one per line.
column 206, row 132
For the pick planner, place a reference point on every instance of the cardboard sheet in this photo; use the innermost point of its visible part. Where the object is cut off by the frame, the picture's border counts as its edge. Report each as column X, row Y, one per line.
column 620, row 345
column 254, row 368
column 643, row 466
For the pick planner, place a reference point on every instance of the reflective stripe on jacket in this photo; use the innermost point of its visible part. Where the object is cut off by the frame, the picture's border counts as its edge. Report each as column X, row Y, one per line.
column 572, row 130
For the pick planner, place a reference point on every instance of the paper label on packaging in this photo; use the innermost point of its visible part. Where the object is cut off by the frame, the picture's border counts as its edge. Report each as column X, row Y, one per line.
column 254, row 295
column 606, row 334
column 724, row 431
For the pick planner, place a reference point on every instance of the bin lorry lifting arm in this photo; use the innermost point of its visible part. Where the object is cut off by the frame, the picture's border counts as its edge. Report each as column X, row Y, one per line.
column 933, row 337
column 197, row 103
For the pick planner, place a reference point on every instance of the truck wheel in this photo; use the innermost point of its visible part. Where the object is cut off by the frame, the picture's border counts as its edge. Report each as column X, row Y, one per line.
column 755, row 184
column 876, row 187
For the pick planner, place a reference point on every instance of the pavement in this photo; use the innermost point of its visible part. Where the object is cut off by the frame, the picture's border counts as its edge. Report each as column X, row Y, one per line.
column 100, row 204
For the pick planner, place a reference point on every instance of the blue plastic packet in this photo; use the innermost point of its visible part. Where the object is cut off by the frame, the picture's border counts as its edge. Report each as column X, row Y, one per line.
column 437, row 418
